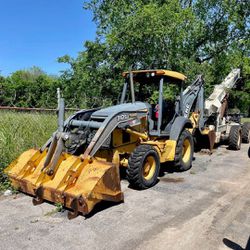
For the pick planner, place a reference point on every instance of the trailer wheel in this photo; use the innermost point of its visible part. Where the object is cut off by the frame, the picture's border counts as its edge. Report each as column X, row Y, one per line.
column 234, row 140
column 184, row 151
column 246, row 132
column 143, row 167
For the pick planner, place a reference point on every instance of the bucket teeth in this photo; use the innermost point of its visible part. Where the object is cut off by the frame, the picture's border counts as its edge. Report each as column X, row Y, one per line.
column 76, row 184
column 37, row 201
column 75, row 206
column 72, row 215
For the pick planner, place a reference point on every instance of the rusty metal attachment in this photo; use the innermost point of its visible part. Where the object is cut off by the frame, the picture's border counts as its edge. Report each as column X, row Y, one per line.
column 76, row 184
column 211, row 138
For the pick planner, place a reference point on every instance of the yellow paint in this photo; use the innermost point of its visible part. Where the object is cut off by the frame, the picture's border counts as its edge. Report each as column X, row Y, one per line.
column 159, row 72
column 91, row 179
column 104, row 155
column 144, row 136
column 186, row 151
column 195, row 119
column 165, row 149
column 120, row 147
column 149, row 168
column 205, row 131
column 126, row 149
column 117, row 137
column 169, row 152
column 124, row 162
column 116, row 157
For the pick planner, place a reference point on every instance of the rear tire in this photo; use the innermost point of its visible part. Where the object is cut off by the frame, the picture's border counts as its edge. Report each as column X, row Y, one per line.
column 184, row 151
column 234, row 140
column 143, row 167
column 246, row 132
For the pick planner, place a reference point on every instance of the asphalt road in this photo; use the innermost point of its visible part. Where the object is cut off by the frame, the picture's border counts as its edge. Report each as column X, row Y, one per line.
column 207, row 207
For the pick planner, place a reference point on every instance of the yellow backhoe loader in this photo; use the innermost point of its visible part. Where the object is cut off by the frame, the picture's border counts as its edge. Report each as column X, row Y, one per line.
column 79, row 165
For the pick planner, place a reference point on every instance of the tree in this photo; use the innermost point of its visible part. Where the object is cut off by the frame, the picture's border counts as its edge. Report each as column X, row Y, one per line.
column 208, row 37
column 29, row 88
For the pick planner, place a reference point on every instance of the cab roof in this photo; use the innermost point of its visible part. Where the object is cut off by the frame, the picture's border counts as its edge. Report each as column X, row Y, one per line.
column 157, row 72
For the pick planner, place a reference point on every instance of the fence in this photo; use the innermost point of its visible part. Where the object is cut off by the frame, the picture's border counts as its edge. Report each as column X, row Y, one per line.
column 46, row 110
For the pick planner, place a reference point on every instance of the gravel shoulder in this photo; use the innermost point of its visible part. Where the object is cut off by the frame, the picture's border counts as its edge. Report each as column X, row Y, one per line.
column 206, row 207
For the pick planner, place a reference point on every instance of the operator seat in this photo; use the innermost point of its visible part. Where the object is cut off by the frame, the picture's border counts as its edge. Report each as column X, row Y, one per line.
column 168, row 113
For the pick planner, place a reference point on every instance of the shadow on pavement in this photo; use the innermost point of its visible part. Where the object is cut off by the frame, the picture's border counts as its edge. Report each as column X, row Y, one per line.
column 235, row 246
column 103, row 205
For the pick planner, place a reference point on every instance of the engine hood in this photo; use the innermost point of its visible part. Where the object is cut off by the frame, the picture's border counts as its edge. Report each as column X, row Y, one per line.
column 127, row 107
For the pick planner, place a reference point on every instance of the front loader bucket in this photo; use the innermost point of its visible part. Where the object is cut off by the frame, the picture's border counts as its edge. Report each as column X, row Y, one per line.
column 77, row 183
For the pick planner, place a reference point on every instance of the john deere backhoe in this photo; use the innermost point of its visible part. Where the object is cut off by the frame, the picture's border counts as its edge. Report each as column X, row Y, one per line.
column 79, row 165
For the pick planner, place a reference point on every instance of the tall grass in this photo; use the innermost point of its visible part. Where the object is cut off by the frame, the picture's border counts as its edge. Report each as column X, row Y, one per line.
column 246, row 119
column 19, row 132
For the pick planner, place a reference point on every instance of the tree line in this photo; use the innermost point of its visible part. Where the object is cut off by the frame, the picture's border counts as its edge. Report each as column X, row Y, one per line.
column 189, row 36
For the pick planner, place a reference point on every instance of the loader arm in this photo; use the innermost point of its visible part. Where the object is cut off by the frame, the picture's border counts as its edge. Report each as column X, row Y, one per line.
column 193, row 100
column 78, row 180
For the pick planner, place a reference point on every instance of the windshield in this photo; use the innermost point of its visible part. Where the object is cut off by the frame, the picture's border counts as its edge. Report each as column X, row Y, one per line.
column 147, row 90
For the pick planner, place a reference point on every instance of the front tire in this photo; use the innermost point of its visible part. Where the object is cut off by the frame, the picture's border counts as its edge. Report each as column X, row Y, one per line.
column 143, row 167
column 234, row 140
column 184, row 151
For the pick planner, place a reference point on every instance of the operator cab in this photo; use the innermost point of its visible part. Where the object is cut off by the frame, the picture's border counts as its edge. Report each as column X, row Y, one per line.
column 161, row 90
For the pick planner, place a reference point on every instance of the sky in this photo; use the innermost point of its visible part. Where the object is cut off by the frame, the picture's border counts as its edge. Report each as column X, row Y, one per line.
column 37, row 32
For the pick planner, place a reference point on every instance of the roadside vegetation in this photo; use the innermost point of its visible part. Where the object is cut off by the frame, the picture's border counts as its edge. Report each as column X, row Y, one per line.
column 245, row 119
column 19, row 132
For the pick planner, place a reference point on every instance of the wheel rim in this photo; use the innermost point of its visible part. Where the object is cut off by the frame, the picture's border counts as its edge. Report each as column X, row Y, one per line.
column 186, row 151
column 149, row 167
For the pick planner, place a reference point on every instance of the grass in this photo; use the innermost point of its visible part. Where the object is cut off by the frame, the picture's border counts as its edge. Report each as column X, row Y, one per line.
column 19, row 132
column 246, row 119
column 58, row 209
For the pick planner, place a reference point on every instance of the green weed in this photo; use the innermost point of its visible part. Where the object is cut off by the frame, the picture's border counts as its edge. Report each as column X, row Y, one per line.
column 245, row 119
column 58, row 209
column 19, row 132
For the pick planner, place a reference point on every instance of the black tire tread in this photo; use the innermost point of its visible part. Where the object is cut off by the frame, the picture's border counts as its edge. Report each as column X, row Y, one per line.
column 245, row 132
column 134, row 166
column 233, row 137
